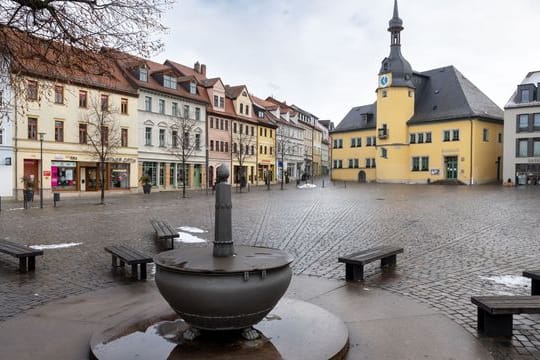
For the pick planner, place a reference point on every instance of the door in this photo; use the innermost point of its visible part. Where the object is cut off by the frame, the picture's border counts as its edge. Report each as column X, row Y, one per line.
column 451, row 167
column 83, row 179
column 197, row 176
column 362, row 176
column 91, row 179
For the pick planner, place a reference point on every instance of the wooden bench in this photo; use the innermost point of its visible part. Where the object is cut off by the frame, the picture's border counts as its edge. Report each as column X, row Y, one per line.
column 534, row 275
column 495, row 313
column 26, row 255
column 129, row 256
column 354, row 263
column 164, row 231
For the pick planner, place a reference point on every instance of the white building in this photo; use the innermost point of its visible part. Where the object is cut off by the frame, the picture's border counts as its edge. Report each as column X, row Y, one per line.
column 7, row 155
column 522, row 133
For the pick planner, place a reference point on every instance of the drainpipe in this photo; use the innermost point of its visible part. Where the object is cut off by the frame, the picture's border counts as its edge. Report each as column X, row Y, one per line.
column 471, row 150
column 206, row 152
column 15, row 146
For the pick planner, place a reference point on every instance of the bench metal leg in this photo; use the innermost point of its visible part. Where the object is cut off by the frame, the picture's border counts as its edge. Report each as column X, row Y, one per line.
column 354, row 272
column 143, row 271
column 172, row 243
column 494, row 325
column 389, row 261
column 32, row 263
column 22, row 264
column 535, row 287
column 134, row 272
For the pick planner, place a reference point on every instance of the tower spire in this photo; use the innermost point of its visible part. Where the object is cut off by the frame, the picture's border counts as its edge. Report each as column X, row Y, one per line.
column 395, row 25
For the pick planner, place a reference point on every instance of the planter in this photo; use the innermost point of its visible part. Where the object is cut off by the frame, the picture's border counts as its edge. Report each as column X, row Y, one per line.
column 28, row 195
column 147, row 188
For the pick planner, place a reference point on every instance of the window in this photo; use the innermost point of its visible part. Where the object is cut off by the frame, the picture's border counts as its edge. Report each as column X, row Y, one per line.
column 58, row 94
column 455, row 135
column 186, row 111
column 222, row 102
column 265, row 132
column 252, row 150
column 412, row 138
column 247, row 109
column 185, row 141
column 161, row 106
column 198, row 115
column 524, row 95
column 428, row 137
column 260, row 132
column 221, row 146
column 162, row 137
column 226, row 125
column 260, row 149
column 227, row 147
column 384, row 153
column 252, row 131
column 271, row 150
column 105, row 135
column 536, row 122
column 174, row 109
column 420, row 138
column 124, row 106
column 124, row 137
column 169, row 82
column 523, row 147
column 211, row 122
column 241, row 108
column 338, row 143
column 370, row 141
column 523, row 122
column 420, row 163
column 1, row 136
column 32, row 128
column 271, row 131
column 83, row 99
column 536, row 147
column 147, row 103
column 32, row 90
column 192, row 88
column 353, row 163
column 485, row 135
column 446, row 135
column 83, row 133
column 234, row 128
column 104, row 102
column 58, row 131
column 221, row 123
column 241, row 128
column 370, row 163
column 500, row 138
column 216, row 101
column 235, row 150
column 148, row 136
column 384, row 93
column 338, row 164
column 198, row 142
column 143, row 74
column 211, row 145
column 174, row 139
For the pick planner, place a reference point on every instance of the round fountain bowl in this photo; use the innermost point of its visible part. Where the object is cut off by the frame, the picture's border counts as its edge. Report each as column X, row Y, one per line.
column 223, row 293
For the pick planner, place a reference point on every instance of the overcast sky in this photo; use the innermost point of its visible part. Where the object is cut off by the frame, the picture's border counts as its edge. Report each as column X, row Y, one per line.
column 324, row 55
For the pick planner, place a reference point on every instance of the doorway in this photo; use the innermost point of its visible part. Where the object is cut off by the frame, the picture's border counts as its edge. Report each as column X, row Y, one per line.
column 451, row 167
column 197, row 175
column 89, row 177
column 362, row 176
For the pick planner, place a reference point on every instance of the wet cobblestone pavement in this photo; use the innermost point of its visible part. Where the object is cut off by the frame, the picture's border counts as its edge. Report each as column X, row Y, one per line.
column 459, row 241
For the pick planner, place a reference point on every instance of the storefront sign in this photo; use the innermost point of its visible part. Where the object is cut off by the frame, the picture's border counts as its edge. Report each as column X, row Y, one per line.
column 63, row 157
column 65, row 163
column 46, row 173
column 536, row 160
column 122, row 160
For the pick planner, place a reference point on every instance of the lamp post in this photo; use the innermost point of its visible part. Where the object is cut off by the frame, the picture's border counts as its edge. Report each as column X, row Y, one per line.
column 41, row 134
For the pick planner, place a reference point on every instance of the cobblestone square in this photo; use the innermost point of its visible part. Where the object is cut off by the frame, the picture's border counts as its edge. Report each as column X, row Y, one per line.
column 459, row 241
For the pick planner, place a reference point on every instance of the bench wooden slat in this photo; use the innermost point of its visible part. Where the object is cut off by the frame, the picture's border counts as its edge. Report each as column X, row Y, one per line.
column 18, row 250
column 532, row 274
column 129, row 255
column 508, row 304
column 164, row 230
column 367, row 256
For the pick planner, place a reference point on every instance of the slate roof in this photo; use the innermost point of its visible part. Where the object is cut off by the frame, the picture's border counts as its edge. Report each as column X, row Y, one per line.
column 445, row 94
column 359, row 118
column 233, row 92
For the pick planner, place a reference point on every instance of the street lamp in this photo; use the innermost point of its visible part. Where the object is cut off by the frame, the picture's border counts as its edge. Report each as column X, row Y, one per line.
column 41, row 134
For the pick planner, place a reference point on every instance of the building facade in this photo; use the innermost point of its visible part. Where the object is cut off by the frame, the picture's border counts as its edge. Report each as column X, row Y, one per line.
column 424, row 127
column 7, row 153
column 522, row 133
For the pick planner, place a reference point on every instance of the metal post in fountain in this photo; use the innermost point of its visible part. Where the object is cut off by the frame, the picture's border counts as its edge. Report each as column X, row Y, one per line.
column 223, row 287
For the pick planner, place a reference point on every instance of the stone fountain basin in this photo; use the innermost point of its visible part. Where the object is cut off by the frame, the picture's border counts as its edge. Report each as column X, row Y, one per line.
column 223, row 293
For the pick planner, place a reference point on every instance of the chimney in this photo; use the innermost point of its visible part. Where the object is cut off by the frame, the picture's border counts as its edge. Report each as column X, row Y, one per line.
column 203, row 69
column 197, row 67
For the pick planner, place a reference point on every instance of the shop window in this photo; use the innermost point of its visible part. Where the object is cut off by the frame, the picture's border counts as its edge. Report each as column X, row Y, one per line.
column 161, row 174
column 150, row 169
column 32, row 128
column 83, row 134
column 119, row 176
column 124, row 106
column 64, row 175
column 172, row 174
column 182, row 175
column 59, row 131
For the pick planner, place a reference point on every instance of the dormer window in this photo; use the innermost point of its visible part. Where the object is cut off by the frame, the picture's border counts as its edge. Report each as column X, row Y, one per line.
column 524, row 95
column 193, row 88
column 169, row 82
column 143, row 74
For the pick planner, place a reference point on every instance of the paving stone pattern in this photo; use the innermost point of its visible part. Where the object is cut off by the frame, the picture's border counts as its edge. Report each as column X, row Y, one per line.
column 454, row 238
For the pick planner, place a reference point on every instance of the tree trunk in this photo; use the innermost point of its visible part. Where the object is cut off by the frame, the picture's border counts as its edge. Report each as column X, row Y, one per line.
column 184, row 178
column 102, row 181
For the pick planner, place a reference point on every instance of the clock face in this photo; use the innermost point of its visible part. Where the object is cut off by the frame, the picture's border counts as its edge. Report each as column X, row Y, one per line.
column 384, row 81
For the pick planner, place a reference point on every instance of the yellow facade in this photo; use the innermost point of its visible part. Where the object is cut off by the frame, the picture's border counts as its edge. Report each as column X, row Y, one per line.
column 266, row 156
column 347, row 152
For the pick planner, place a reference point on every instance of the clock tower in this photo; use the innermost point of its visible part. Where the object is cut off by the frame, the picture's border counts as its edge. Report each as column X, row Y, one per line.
column 395, row 106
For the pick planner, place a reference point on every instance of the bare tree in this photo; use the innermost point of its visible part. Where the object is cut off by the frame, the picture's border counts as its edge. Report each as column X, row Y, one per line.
column 76, row 34
column 185, row 141
column 284, row 147
column 243, row 149
column 103, row 136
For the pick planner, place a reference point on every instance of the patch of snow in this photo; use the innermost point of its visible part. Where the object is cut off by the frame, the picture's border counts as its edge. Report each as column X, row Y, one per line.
column 508, row 280
column 188, row 238
column 192, row 230
column 307, row 186
column 55, row 246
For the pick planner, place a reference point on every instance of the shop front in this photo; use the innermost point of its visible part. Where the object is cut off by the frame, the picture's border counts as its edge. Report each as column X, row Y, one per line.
column 528, row 174
column 85, row 176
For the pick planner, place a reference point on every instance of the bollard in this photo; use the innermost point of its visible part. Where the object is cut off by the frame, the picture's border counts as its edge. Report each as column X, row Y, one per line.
column 56, row 197
column 322, row 182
